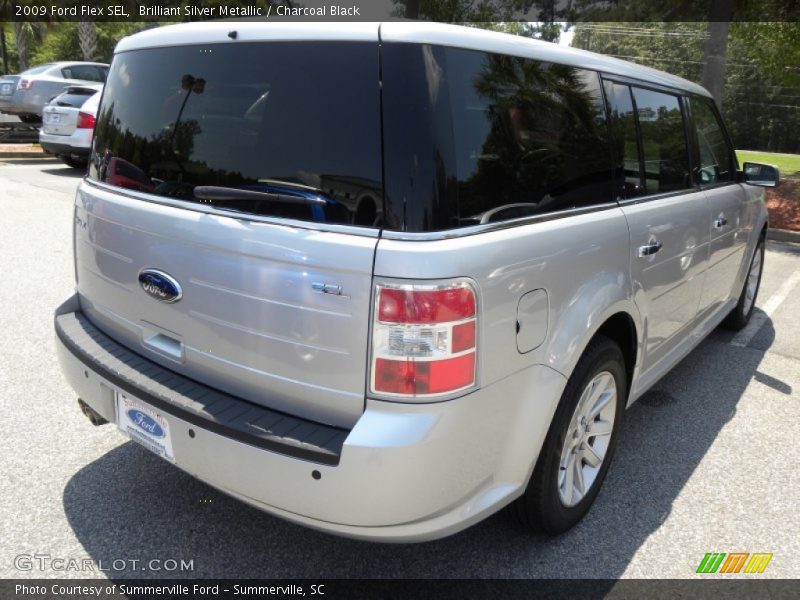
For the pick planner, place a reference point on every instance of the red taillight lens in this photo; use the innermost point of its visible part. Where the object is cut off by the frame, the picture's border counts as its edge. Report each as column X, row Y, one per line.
column 25, row 84
column 421, row 378
column 85, row 121
column 434, row 306
column 463, row 336
column 424, row 339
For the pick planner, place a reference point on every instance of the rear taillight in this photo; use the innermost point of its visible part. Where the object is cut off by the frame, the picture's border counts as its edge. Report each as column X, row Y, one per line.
column 85, row 121
column 25, row 84
column 424, row 339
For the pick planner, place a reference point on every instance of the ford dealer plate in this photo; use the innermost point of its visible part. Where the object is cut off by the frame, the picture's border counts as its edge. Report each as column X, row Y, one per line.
column 144, row 424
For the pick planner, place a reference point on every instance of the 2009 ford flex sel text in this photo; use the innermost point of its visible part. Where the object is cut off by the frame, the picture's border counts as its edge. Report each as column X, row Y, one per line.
column 383, row 280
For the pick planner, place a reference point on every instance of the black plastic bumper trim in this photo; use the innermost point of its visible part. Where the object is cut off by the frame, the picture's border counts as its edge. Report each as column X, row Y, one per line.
column 196, row 403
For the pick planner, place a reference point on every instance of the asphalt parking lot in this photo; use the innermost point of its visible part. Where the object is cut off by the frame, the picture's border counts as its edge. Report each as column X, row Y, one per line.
column 707, row 462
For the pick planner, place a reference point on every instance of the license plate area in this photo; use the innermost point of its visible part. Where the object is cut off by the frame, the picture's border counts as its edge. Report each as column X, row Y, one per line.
column 145, row 425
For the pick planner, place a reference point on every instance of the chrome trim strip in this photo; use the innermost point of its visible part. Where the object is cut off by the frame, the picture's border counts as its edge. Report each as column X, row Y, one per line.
column 183, row 204
column 658, row 196
column 476, row 229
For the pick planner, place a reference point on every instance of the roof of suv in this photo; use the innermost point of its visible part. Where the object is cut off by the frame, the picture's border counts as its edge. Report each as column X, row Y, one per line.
column 421, row 32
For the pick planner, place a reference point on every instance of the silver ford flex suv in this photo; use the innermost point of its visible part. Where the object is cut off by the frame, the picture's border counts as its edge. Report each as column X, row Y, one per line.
column 386, row 279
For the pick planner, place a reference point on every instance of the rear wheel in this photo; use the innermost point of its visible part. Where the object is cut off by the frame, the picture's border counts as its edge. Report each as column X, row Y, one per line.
column 75, row 162
column 580, row 444
column 31, row 119
column 739, row 317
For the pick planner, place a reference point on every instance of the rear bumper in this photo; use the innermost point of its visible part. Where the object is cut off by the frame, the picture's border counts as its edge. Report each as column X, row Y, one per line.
column 404, row 473
column 78, row 143
column 12, row 106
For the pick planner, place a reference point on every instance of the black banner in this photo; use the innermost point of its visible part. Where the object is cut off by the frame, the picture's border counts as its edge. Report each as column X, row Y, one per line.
column 400, row 589
column 542, row 11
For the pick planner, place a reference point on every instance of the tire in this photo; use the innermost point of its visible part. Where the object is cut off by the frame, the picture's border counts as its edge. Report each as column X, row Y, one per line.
column 739, row 317
column 75, row 163
column 30, row 119
column 548, row 504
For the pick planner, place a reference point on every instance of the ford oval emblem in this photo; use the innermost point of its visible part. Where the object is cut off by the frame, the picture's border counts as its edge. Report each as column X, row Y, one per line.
column 145, row 423
column 160, row 285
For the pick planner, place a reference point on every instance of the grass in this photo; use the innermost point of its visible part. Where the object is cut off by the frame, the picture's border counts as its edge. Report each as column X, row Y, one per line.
column 789, row 164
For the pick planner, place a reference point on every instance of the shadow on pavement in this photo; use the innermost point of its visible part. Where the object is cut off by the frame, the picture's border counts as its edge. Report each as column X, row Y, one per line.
column 130, row 504
column 65, row 171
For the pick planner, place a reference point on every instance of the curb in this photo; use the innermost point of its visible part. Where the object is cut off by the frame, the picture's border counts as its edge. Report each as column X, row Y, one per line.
column 783, row 235
column 25, row 155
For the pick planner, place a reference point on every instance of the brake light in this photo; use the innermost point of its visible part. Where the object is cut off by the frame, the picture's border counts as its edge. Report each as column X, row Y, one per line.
column 85, row 121
column 424, row 340
column 25, row 84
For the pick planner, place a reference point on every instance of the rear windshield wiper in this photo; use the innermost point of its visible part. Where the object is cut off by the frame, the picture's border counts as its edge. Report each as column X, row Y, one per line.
column 215, row 193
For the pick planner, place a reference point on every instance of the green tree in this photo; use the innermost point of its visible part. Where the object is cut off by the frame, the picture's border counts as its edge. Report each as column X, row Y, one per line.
column 63, row 41
column 87, row 40
column 761, row 92
column 26, row 32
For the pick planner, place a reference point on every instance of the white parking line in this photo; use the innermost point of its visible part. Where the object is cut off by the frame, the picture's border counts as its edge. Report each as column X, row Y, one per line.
column 770, row 306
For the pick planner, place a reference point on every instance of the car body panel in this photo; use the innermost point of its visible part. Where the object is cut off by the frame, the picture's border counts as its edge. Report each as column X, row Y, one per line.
column 593, row 248
column 250, row 320
column 668, row 284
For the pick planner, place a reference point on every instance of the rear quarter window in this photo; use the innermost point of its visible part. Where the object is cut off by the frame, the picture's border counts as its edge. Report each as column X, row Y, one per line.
column 474, row 138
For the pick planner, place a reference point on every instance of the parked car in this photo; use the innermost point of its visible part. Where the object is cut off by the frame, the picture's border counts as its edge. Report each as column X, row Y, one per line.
column 68, row 124
column 557, row 230
column 26, row 94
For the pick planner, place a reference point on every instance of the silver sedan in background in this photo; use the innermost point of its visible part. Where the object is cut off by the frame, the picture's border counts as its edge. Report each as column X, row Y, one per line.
column 26, row 94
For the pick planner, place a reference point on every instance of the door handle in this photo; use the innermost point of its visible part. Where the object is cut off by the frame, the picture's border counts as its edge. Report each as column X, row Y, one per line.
column 649, row 249
column 720, row 222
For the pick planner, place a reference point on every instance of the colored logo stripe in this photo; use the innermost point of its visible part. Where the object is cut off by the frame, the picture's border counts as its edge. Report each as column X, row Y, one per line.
column 734, row 563
column 711, row 562
column 758, row 562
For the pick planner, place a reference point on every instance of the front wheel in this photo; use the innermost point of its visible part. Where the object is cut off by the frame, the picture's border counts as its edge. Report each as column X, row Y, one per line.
column 739, row 317
column 580, row 444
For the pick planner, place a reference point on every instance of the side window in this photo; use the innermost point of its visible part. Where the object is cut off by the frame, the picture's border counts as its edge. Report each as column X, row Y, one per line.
column 626, row 144
column 529, row 137
column 82, row 72
column 715, row 154
column 666, row 158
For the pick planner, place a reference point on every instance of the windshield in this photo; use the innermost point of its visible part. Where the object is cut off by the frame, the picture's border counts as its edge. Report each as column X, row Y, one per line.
column 295, row 119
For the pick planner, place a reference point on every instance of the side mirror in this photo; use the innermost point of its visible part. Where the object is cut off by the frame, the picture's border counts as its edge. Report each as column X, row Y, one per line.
column 761, row 174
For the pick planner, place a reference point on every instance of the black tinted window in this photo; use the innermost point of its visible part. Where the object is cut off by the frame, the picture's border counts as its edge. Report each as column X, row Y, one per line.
column 297, row 122
column 474, row 138
column 666, row 159
column 626, row 140
column 73, row 98
column 37, row 70
column 715, row 154
column 83, row 72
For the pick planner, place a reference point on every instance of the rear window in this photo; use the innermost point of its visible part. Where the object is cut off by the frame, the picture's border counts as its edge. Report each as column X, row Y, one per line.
column 73, row 97
column 37, row 70
column 288, row 129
